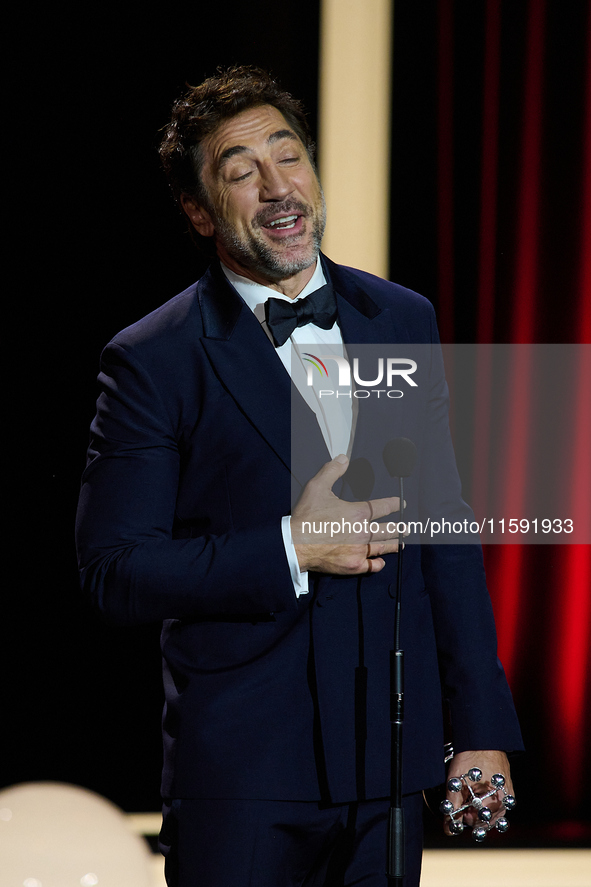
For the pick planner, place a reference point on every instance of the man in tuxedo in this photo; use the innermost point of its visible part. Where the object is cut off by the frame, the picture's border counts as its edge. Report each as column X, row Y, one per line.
column 277, row 765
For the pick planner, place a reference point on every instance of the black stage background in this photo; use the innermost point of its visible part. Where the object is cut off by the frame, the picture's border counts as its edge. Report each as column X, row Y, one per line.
column 97, row 244
column 100, row 244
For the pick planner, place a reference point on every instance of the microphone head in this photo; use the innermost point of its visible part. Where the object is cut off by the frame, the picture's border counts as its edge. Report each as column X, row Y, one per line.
column 400, row 456
column 360, row 477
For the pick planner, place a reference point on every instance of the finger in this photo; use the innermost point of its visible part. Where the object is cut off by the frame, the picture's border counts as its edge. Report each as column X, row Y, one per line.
column 446, row 827
column 376, row 549
column 390, row 532
column 375, row 564
column 495, row 803
column 471, row 816
column 383, row 507
column 458, row 799
column 331, row 471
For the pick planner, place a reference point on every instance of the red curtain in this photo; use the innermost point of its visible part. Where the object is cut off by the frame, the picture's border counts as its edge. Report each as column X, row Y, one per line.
column 530, row 227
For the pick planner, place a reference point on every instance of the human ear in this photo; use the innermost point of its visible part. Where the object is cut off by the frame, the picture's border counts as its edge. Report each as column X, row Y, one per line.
column 198, row 216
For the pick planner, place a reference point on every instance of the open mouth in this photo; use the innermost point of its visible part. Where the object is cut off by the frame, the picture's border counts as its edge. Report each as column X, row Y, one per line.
column 285, row 222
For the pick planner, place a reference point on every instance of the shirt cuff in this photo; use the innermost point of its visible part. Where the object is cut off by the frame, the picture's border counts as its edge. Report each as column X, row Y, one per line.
column 299, row 579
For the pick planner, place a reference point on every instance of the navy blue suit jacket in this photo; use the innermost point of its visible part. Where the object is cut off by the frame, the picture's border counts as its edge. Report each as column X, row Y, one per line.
column 189, row 474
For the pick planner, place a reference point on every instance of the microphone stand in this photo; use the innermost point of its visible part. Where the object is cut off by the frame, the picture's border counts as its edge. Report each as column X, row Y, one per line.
column 396, row 862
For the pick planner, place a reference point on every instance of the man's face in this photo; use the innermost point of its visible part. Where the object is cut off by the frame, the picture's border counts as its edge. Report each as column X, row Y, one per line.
column 266, row 206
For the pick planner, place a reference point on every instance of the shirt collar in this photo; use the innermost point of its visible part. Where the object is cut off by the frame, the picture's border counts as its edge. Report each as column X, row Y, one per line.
column 255, row 294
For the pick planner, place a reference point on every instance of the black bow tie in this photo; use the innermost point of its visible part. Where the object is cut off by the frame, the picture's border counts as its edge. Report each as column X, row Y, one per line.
column 319, row 308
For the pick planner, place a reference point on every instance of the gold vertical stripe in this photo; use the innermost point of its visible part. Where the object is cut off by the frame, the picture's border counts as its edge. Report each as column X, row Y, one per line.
column 354, row 130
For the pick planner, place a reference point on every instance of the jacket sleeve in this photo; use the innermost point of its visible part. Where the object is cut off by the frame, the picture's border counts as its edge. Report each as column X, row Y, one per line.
column 473, row 680
column 130, row 563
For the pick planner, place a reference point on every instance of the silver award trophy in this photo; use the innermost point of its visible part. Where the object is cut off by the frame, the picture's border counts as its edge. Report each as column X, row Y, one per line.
column 477, row 803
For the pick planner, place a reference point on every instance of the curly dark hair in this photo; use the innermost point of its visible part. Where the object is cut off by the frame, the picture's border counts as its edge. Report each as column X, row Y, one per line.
column 201, row 110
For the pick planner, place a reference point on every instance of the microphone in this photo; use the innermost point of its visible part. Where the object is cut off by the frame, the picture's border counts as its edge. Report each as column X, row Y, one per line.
column 400, row 457
column 360, row 477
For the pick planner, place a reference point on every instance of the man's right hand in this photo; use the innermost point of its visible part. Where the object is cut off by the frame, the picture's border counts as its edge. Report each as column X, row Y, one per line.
column 334, row 536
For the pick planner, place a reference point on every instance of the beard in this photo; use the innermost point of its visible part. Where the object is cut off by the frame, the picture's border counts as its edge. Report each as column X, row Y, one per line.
column 274, row 262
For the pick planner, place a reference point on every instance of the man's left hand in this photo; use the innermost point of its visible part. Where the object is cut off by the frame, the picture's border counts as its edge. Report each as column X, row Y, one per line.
column 489, row 762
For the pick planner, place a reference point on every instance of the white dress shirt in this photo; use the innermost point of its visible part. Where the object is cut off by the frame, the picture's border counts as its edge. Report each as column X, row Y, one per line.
column 334, row 414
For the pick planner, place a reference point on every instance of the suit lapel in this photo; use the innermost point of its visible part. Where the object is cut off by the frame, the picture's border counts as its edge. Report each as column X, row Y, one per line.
column 364, row 323
column 247, row 365
column 361, row 319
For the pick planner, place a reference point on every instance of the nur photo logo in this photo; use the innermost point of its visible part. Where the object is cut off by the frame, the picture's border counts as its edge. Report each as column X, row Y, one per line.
column 388, row 371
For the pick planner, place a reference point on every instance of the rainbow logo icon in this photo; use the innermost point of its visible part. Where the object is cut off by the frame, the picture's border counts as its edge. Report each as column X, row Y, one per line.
column 315, row 361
